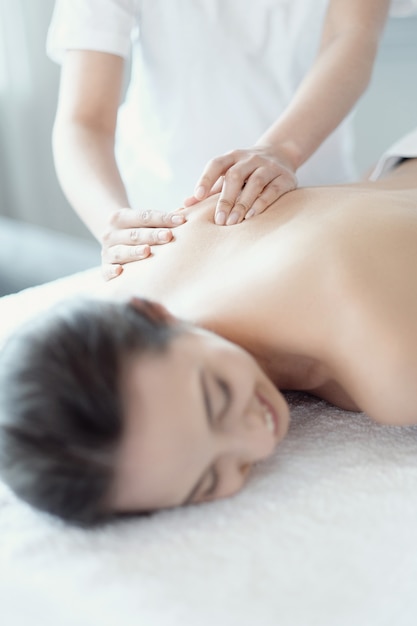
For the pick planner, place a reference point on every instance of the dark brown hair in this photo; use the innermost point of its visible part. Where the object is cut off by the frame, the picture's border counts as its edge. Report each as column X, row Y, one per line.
column 60, row 411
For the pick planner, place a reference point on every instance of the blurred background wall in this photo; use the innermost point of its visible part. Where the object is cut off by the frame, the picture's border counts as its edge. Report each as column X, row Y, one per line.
column 41, row 238
column 389, row 107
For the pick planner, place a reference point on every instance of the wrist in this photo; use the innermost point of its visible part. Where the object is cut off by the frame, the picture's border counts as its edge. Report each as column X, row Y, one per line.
column 287, row 152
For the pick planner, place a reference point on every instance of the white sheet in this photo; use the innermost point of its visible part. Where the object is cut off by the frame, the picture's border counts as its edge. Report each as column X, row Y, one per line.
column 325, row 533
column 406, row 147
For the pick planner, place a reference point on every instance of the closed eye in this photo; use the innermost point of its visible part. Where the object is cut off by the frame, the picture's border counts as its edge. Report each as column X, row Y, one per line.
column 211, row 418
column 227, row 397
column 214, row 474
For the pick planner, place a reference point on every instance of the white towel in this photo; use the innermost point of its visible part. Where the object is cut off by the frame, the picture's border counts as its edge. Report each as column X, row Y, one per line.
column 324, row 534
column 406, row 147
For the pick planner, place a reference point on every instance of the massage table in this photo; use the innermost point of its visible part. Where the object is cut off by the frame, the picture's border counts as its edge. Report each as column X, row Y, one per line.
column 325, row 533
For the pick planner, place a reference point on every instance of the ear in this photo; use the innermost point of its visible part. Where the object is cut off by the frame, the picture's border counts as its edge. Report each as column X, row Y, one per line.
column 154, row 310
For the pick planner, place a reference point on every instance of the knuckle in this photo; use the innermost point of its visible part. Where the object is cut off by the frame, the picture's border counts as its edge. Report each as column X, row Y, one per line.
column 116, row 254
column 211, row 163
column 205, row 180
column 225, row 203
column 253, row 160
column 218, row 160
column 115, row 217
column 107, row 236
column 145, row 216
column 276, row 186
column 241, row 207
column 260, row 203
column 236, row 154
column 232, row 176
column 134, row 234
column 258, row 180
column 152, row 237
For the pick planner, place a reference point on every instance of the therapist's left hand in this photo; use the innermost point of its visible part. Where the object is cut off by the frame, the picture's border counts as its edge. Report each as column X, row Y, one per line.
column 248, row 180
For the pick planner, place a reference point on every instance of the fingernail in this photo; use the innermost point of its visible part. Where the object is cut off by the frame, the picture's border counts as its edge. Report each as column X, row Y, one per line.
column 143, row 252
column 177, row 219
column 200, row 193
column 249, row 214
column 233, row 218
column 220, row 218
column 164, row 235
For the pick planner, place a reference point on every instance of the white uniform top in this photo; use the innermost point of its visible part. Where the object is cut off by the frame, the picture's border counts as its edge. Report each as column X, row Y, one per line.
column 207, row 76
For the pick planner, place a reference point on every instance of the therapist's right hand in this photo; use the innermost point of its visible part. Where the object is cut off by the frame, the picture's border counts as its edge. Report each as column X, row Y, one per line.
column 130, row 235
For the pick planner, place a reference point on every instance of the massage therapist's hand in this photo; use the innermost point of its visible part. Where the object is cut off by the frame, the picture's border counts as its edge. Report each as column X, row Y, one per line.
column 130, row 235
column 249, row 180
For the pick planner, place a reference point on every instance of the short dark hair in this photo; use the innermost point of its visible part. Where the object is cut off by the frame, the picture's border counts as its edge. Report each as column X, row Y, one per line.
column 60, row 410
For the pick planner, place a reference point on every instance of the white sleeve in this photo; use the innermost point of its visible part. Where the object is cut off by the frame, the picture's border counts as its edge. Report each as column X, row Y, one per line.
column 101, row 25
column 403, row 8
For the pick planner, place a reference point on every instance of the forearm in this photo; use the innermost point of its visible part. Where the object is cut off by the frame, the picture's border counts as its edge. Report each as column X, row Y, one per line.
column 337, row 79
column 87, row 171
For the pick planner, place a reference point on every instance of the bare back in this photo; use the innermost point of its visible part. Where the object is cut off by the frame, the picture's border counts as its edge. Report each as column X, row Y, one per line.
column 321, row 288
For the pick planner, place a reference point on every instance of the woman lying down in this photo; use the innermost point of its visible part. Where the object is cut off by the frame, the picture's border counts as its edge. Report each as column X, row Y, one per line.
column 127, row 405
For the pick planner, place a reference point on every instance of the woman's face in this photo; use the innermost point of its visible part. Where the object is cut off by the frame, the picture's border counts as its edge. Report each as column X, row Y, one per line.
column 197, row 417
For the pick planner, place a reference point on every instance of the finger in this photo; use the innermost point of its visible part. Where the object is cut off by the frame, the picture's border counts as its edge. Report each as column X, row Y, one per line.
column 190, row 201
column 213, row 171
column 234, row 180
column 217, row 187
column 277, row 188
column 127, row 218
column 139, row 237
column 110, row 271
column 254, row 187
column 121, row 254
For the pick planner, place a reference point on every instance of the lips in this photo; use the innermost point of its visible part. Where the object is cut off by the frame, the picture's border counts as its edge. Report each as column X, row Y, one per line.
column 269, row 415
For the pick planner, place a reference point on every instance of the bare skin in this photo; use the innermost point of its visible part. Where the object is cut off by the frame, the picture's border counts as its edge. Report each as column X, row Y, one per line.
column 196, row 419
column 320, row 290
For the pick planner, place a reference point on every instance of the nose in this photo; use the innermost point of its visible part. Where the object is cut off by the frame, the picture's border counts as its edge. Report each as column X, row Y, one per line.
column 244, row 441
column 246, row 437
column 234, row 475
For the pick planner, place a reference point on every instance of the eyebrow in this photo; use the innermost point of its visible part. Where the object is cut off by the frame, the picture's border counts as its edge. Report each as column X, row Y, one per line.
column 209, row 416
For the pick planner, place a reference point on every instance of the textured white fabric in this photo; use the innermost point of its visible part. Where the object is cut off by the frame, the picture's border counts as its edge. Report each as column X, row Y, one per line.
column 101, row 25
column 406, row 147
column 323, row 534
column 207, row 76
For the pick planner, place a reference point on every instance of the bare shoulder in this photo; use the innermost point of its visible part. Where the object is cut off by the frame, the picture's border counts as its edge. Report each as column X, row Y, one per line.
column 403, row 177
column 376, row 352
column 382, row 381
